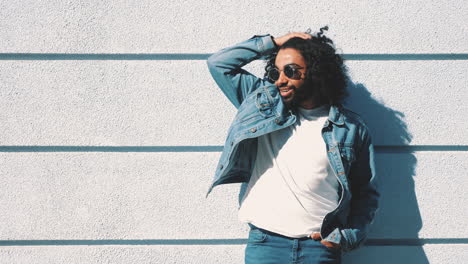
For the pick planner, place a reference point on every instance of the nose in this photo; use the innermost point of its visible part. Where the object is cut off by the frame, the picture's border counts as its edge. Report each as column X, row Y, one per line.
column 282, row 80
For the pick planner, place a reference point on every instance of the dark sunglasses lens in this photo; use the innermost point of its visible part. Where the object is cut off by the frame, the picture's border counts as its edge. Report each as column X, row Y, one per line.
column 290, row 71
column 273, row 74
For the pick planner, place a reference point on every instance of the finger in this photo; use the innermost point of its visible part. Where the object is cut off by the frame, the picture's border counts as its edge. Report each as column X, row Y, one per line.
column 296, row 34
column 316, row 236
column 330, row 244
column 303, row 35
column 326, row 243
column 300, row 34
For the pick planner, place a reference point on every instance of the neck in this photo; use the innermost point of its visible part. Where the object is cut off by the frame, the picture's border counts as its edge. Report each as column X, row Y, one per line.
column 310, row 103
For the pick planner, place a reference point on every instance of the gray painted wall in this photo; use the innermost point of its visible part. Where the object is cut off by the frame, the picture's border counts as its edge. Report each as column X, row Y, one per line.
column 111, row 126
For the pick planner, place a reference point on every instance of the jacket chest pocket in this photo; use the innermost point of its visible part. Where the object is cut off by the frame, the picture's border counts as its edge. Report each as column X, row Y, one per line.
column 265, row 103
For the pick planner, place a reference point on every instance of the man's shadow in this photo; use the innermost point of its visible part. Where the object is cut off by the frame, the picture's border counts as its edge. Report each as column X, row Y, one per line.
column 394, row 233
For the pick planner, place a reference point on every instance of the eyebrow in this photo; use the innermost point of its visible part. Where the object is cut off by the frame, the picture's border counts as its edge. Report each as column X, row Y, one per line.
column 294, row 64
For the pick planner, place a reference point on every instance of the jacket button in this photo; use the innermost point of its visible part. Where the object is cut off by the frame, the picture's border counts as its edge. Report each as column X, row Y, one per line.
column 253, row 130
column 221, row 167
column 277, row 121
column 232, row 143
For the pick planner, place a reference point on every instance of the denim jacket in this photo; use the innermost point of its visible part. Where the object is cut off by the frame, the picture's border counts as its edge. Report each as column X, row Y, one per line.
column 261, row 111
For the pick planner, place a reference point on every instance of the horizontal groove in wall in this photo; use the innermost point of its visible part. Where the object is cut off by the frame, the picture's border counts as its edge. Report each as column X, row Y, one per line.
column 380, row 149
column 111, row 148
column 405, row 149
column 370, row 242
column 204, row 56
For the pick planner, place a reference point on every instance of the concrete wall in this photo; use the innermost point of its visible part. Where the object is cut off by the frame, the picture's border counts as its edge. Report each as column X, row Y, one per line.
column 111, row 126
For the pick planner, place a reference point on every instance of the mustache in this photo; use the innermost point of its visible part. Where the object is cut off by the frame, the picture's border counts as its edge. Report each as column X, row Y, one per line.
column 282, row 86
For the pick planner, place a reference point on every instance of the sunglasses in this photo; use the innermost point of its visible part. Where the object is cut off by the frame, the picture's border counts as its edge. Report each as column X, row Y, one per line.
column 292, row 72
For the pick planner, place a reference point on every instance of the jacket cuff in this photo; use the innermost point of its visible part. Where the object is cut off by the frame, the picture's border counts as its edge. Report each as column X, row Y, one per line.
column 265, row 44
column 334, row 237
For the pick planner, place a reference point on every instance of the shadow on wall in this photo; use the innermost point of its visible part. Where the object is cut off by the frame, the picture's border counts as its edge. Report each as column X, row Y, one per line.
column 398, row 220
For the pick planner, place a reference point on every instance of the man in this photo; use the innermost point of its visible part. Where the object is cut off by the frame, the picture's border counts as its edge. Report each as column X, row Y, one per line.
column 306, row 162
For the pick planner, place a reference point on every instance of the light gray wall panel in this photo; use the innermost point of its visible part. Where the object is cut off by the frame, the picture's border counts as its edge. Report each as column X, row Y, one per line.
column 162, row 196
column 114, row 196
column 204, row 26
column 111, row 103
column 432, row 253
column 157, row 103
column 196, row 254
column 225, row 254
column 412, row 102
column 422, row 195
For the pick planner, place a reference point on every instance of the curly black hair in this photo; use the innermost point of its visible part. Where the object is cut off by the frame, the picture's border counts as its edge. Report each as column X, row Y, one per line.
column 325, row 72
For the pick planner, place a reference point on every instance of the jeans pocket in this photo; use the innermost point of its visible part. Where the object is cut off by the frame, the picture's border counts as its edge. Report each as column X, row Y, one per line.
column 256, row 236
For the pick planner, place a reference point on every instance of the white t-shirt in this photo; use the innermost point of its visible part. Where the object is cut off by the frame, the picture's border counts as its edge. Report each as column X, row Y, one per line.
column 292, row 186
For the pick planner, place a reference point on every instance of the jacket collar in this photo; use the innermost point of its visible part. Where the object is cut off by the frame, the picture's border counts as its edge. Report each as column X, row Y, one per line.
column 336, row 115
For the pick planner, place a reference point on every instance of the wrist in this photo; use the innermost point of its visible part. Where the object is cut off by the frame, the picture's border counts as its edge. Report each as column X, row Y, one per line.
column 274, row 42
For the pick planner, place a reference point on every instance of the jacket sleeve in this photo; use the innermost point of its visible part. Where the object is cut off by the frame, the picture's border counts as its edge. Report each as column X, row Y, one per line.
column 226, row 67
column 364, row 201
column 365, row 196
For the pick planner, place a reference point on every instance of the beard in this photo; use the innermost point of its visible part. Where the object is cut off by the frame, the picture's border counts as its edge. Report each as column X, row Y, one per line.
column 305, row 92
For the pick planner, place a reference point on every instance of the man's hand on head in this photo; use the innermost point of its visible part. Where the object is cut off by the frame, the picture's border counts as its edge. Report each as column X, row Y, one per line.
column 281, row 40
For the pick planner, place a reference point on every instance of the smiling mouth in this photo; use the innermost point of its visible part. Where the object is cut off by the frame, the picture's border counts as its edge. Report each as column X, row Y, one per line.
column 285, row 91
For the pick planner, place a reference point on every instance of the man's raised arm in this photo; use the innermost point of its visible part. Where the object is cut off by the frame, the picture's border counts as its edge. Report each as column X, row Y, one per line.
column 226, row 67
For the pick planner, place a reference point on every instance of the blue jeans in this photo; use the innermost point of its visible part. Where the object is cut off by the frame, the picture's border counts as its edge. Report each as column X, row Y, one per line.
column 265, row 247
